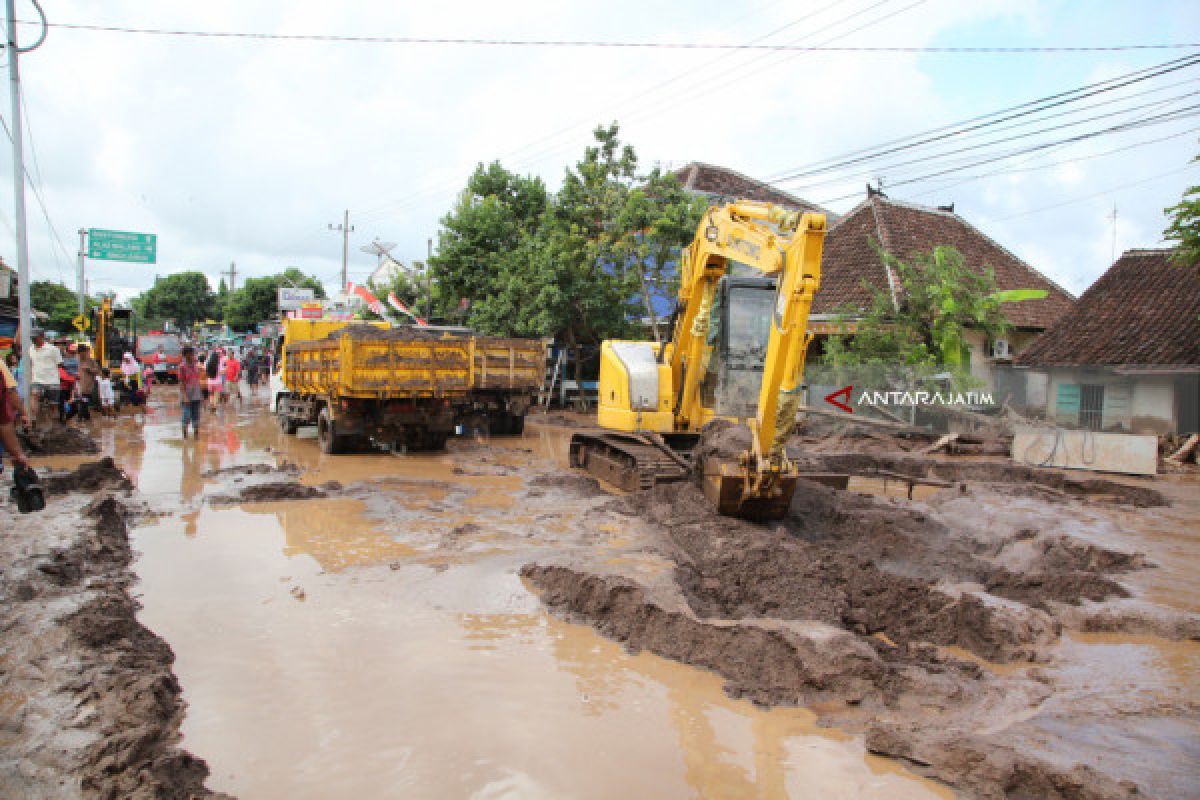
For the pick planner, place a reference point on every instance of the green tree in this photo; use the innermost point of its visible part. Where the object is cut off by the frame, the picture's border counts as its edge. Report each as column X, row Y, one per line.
column 658, row 219
column 58, row 302
column 1184, row 228
column 938, row 298
column 183, row 296
column 258, row 298
column 492, row 215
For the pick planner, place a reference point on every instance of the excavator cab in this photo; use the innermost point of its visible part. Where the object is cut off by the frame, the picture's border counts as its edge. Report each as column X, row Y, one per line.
column 737, row 352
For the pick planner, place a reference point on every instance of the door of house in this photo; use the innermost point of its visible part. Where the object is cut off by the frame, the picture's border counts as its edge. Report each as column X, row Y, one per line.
column 1091, row 406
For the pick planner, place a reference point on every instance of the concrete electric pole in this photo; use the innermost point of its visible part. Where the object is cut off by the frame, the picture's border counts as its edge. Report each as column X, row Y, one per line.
column 344, row 228
column 80, row 284
column 18, row 137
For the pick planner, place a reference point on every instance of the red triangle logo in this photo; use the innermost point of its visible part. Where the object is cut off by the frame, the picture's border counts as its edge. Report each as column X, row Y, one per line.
column 842, row 392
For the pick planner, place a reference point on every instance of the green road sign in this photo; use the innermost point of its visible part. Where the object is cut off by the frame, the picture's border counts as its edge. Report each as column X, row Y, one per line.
column 122, row 246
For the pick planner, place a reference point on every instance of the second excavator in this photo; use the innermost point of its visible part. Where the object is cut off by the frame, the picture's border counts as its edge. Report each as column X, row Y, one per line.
column 737, row 349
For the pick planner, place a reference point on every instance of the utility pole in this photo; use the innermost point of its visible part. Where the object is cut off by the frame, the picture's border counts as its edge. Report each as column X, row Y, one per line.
column 18, row 137
column 428, row 279
column 81, row 285
column 344, row 228
column 232, row 273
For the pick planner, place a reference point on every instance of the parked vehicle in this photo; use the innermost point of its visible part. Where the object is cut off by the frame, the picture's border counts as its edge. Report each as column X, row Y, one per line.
column 401, row 387
column 163, row 352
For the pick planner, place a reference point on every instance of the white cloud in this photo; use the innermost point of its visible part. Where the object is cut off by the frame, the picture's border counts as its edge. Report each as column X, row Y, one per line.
column 245, row 150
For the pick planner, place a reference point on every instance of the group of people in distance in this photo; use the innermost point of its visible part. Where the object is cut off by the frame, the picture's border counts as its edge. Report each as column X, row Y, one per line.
column 216, row 376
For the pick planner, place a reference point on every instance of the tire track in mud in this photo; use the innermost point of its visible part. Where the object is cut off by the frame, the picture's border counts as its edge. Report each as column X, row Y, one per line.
column 100, row 708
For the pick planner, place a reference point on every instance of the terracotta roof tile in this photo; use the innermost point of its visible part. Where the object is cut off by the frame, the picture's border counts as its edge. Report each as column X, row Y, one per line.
column 722, row 182
column 904, row 229
column 1144, row 311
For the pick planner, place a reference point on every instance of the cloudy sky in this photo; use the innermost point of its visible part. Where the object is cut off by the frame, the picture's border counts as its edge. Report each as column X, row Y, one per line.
column 245, row 149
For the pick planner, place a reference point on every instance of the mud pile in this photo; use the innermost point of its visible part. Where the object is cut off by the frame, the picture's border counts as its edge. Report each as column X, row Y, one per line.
column 89, row 477
column 57, row 440
column 102, row 707
column 398, row 333
column 284, row 468
column 849, row 603
column 272, row 491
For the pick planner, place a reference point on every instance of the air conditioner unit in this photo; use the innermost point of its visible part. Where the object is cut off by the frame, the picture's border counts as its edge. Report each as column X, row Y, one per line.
column 1000, row 348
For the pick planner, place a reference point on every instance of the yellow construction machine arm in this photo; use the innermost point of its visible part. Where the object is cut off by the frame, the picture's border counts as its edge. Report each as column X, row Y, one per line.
column 775, row 242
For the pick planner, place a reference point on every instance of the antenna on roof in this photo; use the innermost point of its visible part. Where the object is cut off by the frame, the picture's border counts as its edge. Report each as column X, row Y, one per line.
column 1113, row 253
column 877, row 190
column 378, row 249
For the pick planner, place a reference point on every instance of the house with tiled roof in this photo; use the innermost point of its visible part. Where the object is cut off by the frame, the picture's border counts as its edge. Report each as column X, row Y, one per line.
column 721, row 183
column 1126, row 357
column 851, row 264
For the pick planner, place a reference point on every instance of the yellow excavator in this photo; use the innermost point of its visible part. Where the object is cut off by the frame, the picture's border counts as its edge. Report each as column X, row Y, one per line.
column 739, row 336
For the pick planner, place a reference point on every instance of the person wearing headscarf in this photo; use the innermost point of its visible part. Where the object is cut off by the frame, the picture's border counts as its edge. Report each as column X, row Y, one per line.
column 129, row 366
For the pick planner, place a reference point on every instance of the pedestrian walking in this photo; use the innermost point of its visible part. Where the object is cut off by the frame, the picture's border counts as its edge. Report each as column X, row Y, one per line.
column 213, row 377
column 191, row 392
column 108, row 397
column 233, row 377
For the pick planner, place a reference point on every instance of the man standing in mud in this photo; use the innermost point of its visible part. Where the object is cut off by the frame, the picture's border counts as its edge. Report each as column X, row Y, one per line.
column 44, row 359
column 89, row 372
column 191, row 392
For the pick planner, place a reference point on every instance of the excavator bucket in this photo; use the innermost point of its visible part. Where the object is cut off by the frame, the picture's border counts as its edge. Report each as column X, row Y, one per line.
column 727, row 486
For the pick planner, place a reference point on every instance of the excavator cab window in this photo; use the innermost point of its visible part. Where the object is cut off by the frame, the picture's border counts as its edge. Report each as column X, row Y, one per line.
column 744, row 308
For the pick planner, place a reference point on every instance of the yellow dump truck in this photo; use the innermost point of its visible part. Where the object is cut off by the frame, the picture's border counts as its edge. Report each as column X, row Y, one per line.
column 402, row 387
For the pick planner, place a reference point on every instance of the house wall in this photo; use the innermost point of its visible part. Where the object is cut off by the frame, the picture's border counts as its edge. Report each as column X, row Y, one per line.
column 1133, row 404
column 994, row 373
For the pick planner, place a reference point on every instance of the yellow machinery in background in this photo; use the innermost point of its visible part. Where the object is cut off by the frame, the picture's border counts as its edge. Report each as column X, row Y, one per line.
column 739, row 336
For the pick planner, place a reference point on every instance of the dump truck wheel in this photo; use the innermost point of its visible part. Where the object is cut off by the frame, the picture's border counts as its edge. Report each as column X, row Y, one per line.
column 516, row 425
column 329, row 443
column 287, row 424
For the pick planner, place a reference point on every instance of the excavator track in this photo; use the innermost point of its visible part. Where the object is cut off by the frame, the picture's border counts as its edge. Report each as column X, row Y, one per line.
column 629, row 461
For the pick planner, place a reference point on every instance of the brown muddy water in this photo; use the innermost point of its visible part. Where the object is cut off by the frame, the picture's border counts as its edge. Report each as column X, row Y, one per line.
column 379, row 643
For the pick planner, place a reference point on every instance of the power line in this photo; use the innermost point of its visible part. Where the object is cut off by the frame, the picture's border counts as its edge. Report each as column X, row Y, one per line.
column 1093, row 195
column 580, row 43
column 541, row 152
column 708, row 86
column 1061, row 162
column 39, row 188
column 986, row 120
column 949, row 154
column 1184, row 113
column 37, row 194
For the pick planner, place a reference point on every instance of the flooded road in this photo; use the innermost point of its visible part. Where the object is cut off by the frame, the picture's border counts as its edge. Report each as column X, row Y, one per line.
column 378, row 642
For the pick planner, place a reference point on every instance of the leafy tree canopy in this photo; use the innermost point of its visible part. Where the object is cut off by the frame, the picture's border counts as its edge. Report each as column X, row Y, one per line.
column 939, row 296
column 58, row 302
column 257, row 299
column 486, row 225
column 184, row 297
column 1184, row 228
column 579, row 265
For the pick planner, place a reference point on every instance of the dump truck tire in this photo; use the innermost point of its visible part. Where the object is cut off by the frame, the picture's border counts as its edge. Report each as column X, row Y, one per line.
column 517, row 425
column 329, row 442
column 287, row 424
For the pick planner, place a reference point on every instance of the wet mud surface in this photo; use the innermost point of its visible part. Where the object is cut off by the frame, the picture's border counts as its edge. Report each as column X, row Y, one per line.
column 57, row 440
column 89, row 705
column 896, row 618
column 486, row 622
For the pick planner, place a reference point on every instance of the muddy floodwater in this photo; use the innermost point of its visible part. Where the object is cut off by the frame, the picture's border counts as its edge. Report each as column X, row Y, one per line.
column 377, row 640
